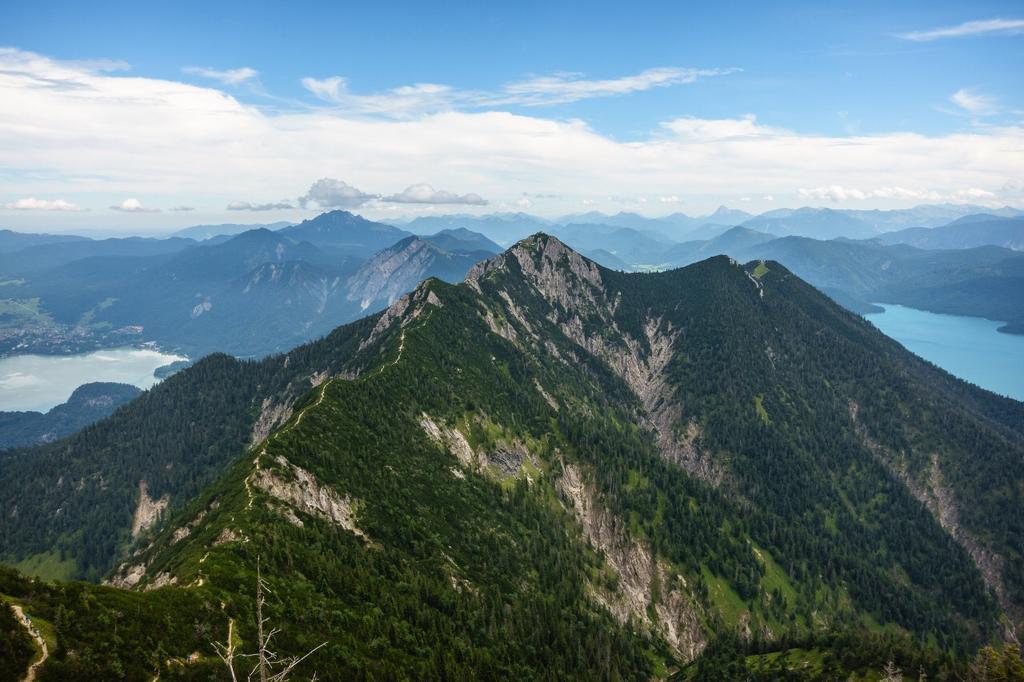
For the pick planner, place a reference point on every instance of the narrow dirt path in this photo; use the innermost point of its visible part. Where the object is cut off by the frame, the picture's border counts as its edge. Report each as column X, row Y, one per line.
column 262, row 448
column 26, row 623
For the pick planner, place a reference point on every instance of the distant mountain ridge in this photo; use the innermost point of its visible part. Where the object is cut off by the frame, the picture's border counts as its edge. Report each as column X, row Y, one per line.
column 964, row 233
column 255, row 293
column 88, row 404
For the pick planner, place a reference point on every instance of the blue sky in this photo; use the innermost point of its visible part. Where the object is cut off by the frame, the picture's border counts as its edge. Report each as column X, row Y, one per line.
column 654, row 107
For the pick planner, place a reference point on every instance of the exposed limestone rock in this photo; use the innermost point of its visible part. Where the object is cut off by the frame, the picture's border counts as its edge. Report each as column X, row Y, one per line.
column 515, row 312
column 227, row 535
column 394, row 312
column 934, row 494
column 677, row 621
column 161, row 580
column 391, row 272
column 452, row 440
column 272, row 414
column 547, row 396
column 147, row 511
column 127, row 576
column 507, row 459
column 300, row 489
column 500, row 327
column 574, row 287
column 180, row 534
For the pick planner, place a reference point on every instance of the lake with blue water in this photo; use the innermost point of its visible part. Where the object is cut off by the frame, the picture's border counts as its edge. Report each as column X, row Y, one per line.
column 39, row 382
column 969, row 347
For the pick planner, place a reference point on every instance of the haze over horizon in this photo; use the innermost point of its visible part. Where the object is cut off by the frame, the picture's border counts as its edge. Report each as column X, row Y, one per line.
column 108, row 123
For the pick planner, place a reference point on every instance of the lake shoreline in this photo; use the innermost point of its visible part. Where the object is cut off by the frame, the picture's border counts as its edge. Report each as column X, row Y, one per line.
column 34, row 382
column 971, row 348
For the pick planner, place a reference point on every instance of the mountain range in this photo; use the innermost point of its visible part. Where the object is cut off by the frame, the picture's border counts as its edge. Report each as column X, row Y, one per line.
column 552, row 469
column 251, row 294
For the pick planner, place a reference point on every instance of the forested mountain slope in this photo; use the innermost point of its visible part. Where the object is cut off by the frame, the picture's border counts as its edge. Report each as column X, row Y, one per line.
column 557, row 470
column 87, row 404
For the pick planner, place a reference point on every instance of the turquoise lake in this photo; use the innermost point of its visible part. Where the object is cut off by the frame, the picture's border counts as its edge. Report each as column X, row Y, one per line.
column 968, row 347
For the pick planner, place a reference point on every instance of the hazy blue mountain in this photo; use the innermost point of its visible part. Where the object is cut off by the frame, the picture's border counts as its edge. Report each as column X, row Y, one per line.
column 461, row 239
column 503, row 228
column 731, row 241
column 724, row 215
column 398, row 269
column 819, row 223
column 346, row 233
column 16, row 241
column 50, row 255
column 994, row 291
column 965, row 233
column 204, row 232
column 676, row 226
column 258, row 292
column 607, row 259
column 984, row 281
column 637, row 247
column 88, row 403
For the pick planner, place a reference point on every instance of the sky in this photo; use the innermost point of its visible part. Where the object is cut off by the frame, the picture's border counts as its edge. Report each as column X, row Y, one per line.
column 148, row 116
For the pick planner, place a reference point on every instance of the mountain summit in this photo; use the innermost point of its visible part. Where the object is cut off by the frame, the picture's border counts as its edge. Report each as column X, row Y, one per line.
column 551, row 469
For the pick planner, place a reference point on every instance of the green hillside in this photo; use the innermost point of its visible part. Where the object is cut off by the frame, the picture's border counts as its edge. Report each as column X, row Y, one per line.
column 557, row 471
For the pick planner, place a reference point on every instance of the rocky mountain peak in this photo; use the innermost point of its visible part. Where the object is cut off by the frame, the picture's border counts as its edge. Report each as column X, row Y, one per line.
column 548, row 265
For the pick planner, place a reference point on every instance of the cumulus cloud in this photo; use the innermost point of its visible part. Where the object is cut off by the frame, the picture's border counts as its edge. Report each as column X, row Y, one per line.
column 974, row 103
column 705, row 130
column 33, row 204
column 425, row 194
column 133, row 206
column 333, row 193
column 225, row 76
column 247, row 206
column 968, row 28
column 671, row 199
column 157, row 137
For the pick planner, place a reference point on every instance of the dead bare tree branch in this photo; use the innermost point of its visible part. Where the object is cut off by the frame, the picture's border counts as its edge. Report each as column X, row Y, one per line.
column 266, row 658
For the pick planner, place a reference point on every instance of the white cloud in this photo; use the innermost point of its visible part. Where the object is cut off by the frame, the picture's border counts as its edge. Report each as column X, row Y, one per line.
column 839, row 194
column 332, row 193
column 536, row 91
column 33, row 204
column 133, row 206
column 708, row 130
column 200, row 146
column 673, row 199
column 973, row 103
column 425, row 194
column 400, row 101
column 182, row 208
column 968, row 28
column 572, row 87
column 246, row 206
column 225, row 76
